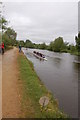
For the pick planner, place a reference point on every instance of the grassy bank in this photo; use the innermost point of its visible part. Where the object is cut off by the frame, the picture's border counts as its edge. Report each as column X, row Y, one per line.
column 32, row 90
column 75, row 53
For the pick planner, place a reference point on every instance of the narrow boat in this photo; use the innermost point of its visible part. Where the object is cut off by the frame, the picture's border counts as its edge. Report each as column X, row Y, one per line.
column 39, row 55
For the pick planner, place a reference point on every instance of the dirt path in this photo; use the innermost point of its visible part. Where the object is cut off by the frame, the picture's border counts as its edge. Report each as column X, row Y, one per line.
column 0, row 86
column 10, row 90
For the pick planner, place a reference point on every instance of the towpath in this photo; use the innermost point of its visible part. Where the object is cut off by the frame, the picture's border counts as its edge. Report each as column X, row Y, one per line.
column 0, row 86
column 10, row 90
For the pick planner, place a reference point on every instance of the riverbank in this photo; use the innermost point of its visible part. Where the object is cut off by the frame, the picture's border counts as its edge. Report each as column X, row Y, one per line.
column 32, row 90
column 70, row 52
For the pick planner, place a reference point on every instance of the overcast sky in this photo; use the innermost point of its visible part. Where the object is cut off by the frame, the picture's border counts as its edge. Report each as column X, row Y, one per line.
column 43, row 21
column 79, row 16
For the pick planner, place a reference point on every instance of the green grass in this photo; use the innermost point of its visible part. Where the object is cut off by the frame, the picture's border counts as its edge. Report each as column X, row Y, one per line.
column 76, row 53
column 32, row 90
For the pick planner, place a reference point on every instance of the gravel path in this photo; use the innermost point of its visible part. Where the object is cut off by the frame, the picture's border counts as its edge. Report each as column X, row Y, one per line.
column 0, row 86
column 10, row 89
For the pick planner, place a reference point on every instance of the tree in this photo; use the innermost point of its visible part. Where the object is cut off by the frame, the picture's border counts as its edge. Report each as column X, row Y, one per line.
column 51, row 46
column 3, row 24
column 11, row 33
column 22, row 43
column 29, row 44
column 10, row 38
column 7, row 41
column 43, row 46
column 8, row 34
column 64, row 47
column 58, row 44
column 77, row 39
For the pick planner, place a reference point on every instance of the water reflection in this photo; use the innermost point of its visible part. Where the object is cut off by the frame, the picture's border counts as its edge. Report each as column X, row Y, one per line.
column 57, row 62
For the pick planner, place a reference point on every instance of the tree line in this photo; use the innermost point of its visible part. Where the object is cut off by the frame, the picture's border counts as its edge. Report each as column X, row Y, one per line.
column 58, row 45
column 9, row 35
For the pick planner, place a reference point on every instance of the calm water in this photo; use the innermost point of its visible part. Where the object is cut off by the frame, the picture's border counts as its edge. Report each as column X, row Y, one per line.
column 60, row 75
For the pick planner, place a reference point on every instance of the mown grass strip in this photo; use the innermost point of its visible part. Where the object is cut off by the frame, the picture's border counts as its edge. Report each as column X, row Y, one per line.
column 32, row 90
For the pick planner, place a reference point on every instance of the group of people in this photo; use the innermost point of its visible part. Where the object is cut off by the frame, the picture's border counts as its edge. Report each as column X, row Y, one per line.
column 39, row 54
column 2, row 48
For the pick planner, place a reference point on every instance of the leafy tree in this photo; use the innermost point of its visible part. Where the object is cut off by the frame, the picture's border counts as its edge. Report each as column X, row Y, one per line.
column 29, row 44
column 77, row 39
column 22, row 43
column 72, row 48
column 43, row 46
column 58, row 44
column 7, row 41
column 3, row 24
column 11, row 33
column 51, row 46
column 8, row 34
column 37, row 46
column 9, row 37
column 64, row 47
column 28, row 41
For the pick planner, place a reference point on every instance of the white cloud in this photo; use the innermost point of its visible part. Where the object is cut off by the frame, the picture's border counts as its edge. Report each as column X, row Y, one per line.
column 42, row 22
column 40, row 0
column 19, row 20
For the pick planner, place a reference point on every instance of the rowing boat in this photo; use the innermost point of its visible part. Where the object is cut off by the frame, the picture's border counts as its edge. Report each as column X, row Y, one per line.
column 41, row 58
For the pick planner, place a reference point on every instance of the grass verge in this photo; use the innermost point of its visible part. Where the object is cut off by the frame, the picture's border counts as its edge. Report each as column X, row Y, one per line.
column 32, row 90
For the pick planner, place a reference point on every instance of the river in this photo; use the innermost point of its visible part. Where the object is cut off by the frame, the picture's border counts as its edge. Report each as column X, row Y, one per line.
column 60, row 75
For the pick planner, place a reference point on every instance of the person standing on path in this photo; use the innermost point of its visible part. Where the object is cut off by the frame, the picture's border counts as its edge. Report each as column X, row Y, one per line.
column 2, row 47
column 19, row 48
